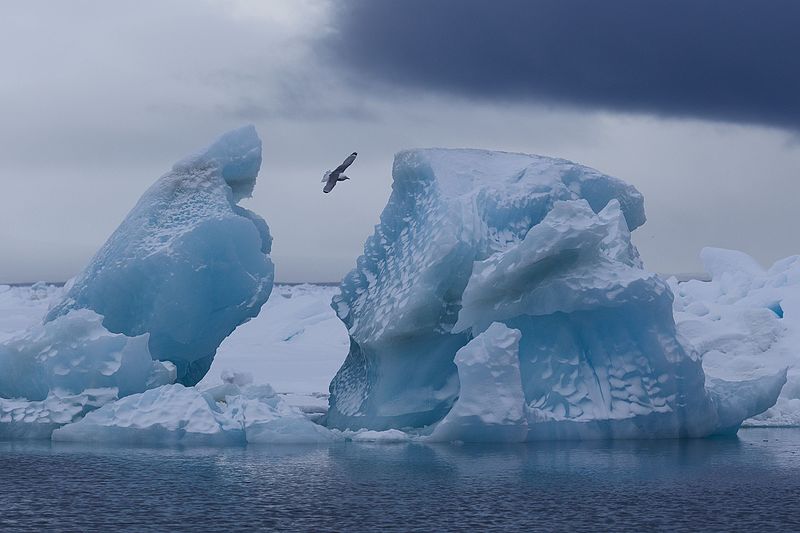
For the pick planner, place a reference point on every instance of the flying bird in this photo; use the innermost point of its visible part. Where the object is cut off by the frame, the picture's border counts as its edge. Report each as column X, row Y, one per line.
column 332, row 176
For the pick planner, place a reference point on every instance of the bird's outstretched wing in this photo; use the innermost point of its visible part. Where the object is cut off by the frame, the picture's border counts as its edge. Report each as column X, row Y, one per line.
column 346, row 163
column 330, row 185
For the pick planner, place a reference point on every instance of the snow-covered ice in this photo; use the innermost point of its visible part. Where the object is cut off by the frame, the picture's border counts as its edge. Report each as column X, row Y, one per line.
column 296, row 343
column 187, row 265
column 471, row 237
column 745, row 324
column 23, row 306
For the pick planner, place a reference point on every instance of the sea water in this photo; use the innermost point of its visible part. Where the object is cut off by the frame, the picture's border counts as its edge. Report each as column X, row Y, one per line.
column 749, row 483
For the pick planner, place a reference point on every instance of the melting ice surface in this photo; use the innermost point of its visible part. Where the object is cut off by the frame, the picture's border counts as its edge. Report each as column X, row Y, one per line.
column 541, row 246
column 188, row 264
column 182, row 271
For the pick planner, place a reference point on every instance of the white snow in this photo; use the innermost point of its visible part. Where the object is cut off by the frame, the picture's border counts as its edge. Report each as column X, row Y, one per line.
column 745, row 324
column 21, row 307
column 296, row 343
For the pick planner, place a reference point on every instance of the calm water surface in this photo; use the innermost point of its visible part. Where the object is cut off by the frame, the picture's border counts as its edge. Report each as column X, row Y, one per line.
column 747, row 484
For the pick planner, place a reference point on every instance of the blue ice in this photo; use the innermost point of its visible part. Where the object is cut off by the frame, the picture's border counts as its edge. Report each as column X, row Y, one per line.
column 472, row 240
column 188, row 264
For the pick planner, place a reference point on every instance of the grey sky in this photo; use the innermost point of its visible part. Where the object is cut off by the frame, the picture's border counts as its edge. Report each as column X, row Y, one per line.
column 98, row 99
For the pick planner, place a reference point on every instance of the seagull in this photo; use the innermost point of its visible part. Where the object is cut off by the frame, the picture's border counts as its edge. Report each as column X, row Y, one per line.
column 332, row 176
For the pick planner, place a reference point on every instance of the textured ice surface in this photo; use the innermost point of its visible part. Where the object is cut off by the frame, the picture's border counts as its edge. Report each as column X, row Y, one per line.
column 745, row 323
column 188, row 264
column 571, row 261
column 472, row 237
column 26, row 419
column 55, row 372
column 491, row 404
column 296, row 343
column 174, row 414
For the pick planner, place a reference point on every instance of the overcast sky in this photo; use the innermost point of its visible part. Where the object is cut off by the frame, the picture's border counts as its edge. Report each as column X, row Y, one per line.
column 695, row 102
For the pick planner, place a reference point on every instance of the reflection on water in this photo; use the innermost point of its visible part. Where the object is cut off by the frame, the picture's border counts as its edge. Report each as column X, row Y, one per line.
column 750, row 483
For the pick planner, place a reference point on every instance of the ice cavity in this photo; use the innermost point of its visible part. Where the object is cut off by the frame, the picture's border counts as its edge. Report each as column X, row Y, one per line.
column 53, row 374
column 542, row 246
column 745, row 323
column 173, row 414
column 187, row 265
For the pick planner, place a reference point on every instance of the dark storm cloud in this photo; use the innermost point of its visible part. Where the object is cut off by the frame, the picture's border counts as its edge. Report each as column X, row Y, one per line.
column 735, row 60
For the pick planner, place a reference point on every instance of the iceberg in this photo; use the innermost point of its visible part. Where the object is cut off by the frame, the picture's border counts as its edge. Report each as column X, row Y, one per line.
column 472, row 238
column 182, row 271
column 188, row 264
column 26, row 419
column 73, row 353
column 389, row 436
column 54, row 373
column 224, row 415
column 745, row 324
